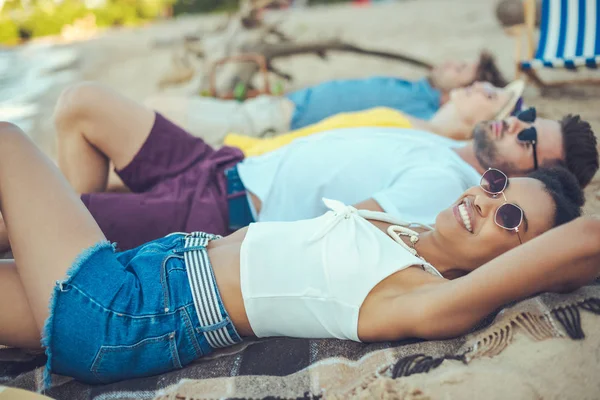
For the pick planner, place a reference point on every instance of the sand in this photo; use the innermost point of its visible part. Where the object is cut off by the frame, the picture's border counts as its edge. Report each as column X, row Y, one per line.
column 558, row 368
column 434, row 30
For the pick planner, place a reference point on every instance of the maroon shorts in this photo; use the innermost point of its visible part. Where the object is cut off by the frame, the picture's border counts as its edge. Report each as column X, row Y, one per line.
column 177, row 184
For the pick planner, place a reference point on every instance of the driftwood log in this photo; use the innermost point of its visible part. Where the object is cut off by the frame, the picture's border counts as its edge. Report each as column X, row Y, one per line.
column 247, row 33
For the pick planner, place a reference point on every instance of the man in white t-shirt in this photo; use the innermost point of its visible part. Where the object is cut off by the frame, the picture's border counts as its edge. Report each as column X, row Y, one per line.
column 410, row 174
column 180, row 183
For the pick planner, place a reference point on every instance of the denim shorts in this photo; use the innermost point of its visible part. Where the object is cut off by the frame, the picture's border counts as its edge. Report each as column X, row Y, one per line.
column 132, row 314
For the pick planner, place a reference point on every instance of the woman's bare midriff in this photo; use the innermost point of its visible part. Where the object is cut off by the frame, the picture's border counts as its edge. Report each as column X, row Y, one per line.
column 224, row 256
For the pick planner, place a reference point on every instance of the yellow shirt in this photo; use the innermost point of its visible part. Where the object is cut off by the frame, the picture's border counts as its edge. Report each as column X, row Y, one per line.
column 379, row 116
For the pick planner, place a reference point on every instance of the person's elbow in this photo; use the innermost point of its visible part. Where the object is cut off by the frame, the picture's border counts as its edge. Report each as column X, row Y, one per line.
column 587, row 229
column 591, row 227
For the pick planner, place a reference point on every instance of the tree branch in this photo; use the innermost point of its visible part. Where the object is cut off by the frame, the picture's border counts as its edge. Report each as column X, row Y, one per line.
column 279, row 50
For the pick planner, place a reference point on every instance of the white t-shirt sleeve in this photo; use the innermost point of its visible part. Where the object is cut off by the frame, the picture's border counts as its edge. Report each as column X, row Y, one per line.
column 420, row 194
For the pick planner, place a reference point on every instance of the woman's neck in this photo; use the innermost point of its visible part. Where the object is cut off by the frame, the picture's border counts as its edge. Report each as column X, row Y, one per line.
column 430, row 248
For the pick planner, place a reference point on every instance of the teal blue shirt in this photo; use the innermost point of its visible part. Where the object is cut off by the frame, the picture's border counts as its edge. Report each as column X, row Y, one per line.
column 416, row 98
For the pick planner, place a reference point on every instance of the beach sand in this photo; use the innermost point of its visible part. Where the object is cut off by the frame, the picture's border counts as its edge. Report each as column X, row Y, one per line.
column 558, row 368
column 434, row 30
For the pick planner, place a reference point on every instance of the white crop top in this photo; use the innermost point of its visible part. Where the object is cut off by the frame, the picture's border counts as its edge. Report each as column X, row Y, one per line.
column 309, row 278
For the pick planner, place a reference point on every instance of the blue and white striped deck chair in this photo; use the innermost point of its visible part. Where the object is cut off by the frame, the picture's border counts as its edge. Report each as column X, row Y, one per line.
column 569, row 36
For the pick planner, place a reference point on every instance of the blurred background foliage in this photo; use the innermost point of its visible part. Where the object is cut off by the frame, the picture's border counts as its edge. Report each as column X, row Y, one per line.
column 23, row 19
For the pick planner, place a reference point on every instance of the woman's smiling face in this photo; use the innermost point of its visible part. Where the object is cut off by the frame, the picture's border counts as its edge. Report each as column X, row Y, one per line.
column 470, row 229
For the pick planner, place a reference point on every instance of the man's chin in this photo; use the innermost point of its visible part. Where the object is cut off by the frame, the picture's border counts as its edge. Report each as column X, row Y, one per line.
column 481, row 133
column 485, row 154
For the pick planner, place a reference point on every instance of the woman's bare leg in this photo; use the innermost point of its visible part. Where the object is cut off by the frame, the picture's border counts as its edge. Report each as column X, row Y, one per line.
column 96, row 125
column 48, row 225
column 17, row 325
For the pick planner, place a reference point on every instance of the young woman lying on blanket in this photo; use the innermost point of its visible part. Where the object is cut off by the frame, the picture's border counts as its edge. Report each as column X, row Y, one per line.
column 456, row 119
column 349, row 274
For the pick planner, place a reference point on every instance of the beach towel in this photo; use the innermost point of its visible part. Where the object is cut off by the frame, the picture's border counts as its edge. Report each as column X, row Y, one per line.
column 380, row 116
column 312, row 369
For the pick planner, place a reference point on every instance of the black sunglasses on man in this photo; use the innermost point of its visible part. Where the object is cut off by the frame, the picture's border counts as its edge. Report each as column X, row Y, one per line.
column 529, row 135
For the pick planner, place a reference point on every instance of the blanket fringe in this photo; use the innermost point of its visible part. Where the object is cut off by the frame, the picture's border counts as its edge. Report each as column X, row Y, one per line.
column 592, row 305
column 419, row 363
column 494, row 341
column 570, row 318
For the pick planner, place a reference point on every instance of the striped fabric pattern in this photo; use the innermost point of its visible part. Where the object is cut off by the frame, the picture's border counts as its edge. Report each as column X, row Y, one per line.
column 569, row 35
column 204, row 290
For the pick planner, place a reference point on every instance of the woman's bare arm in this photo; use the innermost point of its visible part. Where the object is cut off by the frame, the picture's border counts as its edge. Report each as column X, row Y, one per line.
column 562, row 259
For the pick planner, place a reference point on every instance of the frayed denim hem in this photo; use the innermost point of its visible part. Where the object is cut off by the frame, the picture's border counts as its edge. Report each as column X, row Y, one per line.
column 47, row 331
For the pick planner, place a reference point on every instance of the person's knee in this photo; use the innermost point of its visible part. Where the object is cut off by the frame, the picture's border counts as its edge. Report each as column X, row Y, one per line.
column 75, row 104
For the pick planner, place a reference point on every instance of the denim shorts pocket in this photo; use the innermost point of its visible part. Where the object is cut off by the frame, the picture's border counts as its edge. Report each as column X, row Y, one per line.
column 174, row 281
column 150, row 356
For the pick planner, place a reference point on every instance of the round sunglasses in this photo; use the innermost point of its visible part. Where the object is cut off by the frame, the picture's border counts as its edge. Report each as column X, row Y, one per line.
column 529, row 135
column 508, row 216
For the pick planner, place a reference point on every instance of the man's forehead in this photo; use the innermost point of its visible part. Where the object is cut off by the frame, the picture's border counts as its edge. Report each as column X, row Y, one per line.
column 549, row 142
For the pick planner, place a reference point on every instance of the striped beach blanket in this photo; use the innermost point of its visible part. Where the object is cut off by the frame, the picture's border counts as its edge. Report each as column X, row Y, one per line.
column 311, row 369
